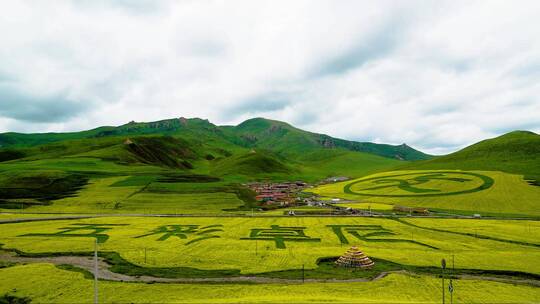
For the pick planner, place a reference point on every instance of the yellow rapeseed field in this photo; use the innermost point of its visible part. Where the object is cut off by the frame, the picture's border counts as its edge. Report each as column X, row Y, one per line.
column 224, row 242
column 509, row 193
column 61, row 286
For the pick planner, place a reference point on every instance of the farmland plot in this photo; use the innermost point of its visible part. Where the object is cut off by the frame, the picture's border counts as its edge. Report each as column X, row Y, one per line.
column 256, row 245
column 460, row 191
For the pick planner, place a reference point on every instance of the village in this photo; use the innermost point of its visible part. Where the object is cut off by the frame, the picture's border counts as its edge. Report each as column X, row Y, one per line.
column 291, row 194
column 280, row 194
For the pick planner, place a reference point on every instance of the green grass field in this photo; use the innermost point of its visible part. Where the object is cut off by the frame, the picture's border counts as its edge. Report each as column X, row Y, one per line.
column 456, row 191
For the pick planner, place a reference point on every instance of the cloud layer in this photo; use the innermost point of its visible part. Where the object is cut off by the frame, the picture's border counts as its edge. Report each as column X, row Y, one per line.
column 437, row 75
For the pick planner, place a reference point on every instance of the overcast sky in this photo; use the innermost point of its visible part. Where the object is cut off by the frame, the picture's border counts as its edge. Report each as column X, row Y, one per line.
column 436, row 75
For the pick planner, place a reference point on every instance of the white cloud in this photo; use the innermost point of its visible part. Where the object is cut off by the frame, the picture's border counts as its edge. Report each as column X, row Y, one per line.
column 437, row 75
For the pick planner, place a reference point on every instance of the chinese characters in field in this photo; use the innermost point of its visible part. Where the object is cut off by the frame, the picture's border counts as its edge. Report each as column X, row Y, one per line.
column 81, row 230
column 194, row 233
column 280, row 234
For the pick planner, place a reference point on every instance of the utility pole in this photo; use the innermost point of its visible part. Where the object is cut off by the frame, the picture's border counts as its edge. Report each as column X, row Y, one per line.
column 95, row 272
column 451, row 285
column 303, row 273
column 443, row 266
column 145, row 255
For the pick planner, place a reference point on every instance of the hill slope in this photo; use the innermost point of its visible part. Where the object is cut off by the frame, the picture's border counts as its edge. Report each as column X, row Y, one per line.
column 252, row 163
column 275, row 136
column 288, row 140
column 514, row 152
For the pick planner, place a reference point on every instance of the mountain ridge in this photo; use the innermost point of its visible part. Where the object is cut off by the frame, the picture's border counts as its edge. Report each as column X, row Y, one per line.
column 256, row 132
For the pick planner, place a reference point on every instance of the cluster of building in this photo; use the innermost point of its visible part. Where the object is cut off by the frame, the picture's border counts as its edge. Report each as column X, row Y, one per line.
column 411, row 210
column 277, row 193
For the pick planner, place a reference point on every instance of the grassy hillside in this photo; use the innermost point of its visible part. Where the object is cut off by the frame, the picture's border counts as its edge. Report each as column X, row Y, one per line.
column 54, row 172
column 290, row 141
column 283, row 152
column 341, row 162
column 164, row 127
column 257, row 149
column 515, row 152
column 252, row 163
column 276, row 136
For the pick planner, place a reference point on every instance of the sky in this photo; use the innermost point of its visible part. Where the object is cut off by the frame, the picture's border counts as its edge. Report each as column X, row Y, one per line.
column 437, row 75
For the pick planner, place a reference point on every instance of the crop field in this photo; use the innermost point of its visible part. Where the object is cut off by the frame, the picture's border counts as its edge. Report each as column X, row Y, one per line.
column 205, row 203
column 257, row 245
column 62, row 286
column 141, row 194
column 484, row 192
column 525, row 231
column 460, row 191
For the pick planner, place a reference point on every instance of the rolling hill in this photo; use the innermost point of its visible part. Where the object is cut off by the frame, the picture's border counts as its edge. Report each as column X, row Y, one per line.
column 276, row 136
column 282, row 151
column 195, row 161
column 196, row 144
column 285, row 139
column 514, row 152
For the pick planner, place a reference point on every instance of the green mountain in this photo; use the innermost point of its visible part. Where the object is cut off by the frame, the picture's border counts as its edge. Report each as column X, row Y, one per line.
column 288, row 140
column 281, row 150
column 195, row 154
column 36, row 169
column 514, row 152
column 276, row 136
column 261, row 148
column 163, row 127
